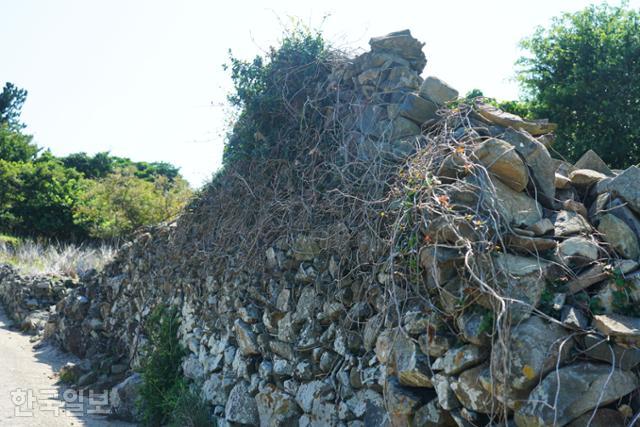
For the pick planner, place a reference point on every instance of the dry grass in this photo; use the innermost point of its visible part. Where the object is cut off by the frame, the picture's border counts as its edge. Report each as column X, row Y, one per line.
column 35, row 258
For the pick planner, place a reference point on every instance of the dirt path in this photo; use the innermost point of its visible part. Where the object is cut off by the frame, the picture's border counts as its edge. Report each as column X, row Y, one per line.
column 27, row 371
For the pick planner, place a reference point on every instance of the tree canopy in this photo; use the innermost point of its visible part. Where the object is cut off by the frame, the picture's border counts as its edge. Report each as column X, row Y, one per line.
column 583, row 72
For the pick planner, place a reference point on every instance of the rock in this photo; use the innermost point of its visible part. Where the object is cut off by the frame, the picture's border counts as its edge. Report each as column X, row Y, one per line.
column 475, row 326
column 522, row 279
column 569, row 223
column 531, row 245
column 371, row 407
column 216, row 389
column 593, row 275
column 446, row 397
column 624, row 186
column 470, row 392
column 542, row 166
column 401, row 402
column 402, row 44
column 309, row 392
column 598, row 348
column 574, row 318
column 577, row 388
column 124, row 397
column 561, row 182
column 542, row 227
column 495, row 115
column 534, row 348
column 590, row 160
column 418, row 109
column 583, row 178
column 437, row 91
column 411, row 365
column 436, row 342
column 440, row 263
column 430, row 415
column 577, row 251
column 623, row 328
column 402, row 127
column 619, row 209
column 603, row 417
column 502, row 160
column 371, row 330
column 276, row 408
column 515, row 208
column 458, row 359
column 246, row 338
column 241, row 407
column 305, row 248
column 618, row 234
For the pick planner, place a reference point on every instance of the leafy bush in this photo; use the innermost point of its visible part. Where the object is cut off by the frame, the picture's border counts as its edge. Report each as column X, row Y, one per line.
column 269, row 91
column 583, row 72
column 103, row 164
column 163, row 382
column 120, row 203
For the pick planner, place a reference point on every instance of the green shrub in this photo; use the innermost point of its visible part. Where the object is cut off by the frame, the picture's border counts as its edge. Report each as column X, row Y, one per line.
column 163, row 382
column 190, row 411
column 270, row 93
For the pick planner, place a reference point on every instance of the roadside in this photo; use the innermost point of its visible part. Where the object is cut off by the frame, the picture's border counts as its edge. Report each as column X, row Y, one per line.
column 29, row 395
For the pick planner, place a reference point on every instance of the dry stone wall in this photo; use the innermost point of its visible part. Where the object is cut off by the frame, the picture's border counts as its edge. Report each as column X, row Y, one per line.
column 524, row 313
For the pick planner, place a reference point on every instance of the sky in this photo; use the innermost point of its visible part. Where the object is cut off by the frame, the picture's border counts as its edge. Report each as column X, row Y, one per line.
column 144, row 78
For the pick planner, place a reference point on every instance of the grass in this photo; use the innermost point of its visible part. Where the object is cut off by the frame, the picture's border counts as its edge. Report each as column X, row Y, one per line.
column 32, row 257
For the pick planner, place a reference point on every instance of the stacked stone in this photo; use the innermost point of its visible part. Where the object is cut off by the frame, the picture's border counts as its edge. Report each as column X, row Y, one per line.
column 308, row 340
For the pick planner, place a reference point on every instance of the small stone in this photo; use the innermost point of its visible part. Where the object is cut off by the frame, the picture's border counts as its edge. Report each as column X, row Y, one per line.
column 418, row 109
column 458, row 359
column 574, row 318
column 569, row 223
column 246, row 338
column 430, row 415
column 241, row 407
column 309, row 392
column 412, row 366
column 495, row 115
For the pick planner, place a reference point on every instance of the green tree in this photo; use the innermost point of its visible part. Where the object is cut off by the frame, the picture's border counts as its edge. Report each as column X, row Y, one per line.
column 583, row 72
column 15, row 146
column 121, row 202
column 11, row 100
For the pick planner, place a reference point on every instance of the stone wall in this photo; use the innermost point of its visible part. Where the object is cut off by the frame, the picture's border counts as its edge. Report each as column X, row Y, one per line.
column 524, row 311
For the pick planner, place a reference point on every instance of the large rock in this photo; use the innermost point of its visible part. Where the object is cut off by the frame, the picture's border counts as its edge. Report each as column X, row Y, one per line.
column 623, row 328
column 619, row 236
column 458, row 359
column 590, row 160
column 568, row 223
column 246, row 338
column 470, row 393
column 402, row 44
column 516, row 208
column 411, row 365
column 276, row 408
column 599, row 348
column 124, row 399
column 446, row 397
column 571, row 392
column 624, row 186
column 585, row 177
column 537, row 157
column 534, row 348
column 241, row 407
column 437, row 91
column 402, row 402
column 604, row 417
column 577, row 251
column 418, row 109
column 502, row 160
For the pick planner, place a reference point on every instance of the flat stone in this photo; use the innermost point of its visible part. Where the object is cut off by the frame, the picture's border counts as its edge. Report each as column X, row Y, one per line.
column 623, row 328
column 585, row 177
column 577, row 388
column 598, row 348
column 436, row 90
column 531, row 245
column 624, row 186
column 590, row 160
column 577, row 251
column 619, row 236
column 495, row 115
column 595, row 274
column 533, row 350
column 502, row 160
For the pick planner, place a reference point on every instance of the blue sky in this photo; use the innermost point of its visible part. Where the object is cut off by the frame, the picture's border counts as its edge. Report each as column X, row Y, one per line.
column 144, row 78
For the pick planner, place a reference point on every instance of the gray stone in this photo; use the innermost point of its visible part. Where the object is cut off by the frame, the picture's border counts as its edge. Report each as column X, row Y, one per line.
column 577, row 388
column 446, row 397
column 276, row 408
column 309, row 392
column 371, row 407
column 241, row 407
column 604, row 417
column 437, row 91
column 246, row 338
column 598, row 348
column 418, row 109
column 542, row 227
column 402, row 44
column 569, row 223
column 458, row 359
column 216, row 388
column 473, row 326
column 590, row 160
column 619, row 236
column 577, row 251
column 402, row 127
column 502, row 160
column 624, row 186
column 583, row 178
column 470, row 393
column 430, row 415
column 412, row 366
column 534, row 348
column 402, row 402
column 574, row 318
column 515, row 208
column 623, row 328
column 495, row 115
column 124, row 397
